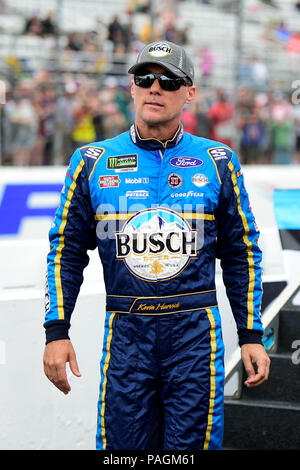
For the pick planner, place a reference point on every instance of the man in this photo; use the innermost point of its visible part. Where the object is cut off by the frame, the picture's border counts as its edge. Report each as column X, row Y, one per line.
column 160, row 204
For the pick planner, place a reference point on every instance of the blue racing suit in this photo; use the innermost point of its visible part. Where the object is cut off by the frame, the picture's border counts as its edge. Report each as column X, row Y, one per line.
column 159, row 213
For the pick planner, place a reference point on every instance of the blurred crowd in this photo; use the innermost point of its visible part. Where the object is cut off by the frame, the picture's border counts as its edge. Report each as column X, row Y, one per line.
column 263, row 127
column 268, row 123
column 36, row 125
column 46, row 115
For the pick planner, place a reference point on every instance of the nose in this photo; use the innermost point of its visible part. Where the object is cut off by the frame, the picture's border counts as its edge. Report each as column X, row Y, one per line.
column 155, row 87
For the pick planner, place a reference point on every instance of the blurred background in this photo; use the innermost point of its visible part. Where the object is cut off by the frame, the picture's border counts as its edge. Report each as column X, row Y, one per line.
column 64, row 82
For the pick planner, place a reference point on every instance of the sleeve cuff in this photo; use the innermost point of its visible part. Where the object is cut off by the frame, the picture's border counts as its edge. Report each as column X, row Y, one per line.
column 56, row 329
column 249, row 336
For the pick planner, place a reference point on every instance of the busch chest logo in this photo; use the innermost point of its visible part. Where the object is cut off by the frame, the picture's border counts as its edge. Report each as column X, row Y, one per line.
column 156, row 244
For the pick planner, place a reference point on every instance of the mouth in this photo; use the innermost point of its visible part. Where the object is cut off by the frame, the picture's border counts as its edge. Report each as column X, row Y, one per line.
column 154, row 105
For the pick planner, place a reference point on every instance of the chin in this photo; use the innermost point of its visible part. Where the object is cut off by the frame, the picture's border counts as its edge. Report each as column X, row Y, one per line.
column 154, row 120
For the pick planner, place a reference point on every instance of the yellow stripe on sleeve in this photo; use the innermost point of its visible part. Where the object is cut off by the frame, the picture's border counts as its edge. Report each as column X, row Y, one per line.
column 57, row 262
column 250, row 305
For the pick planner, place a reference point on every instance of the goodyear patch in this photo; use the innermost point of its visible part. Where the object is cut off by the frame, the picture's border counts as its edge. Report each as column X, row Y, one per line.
column 220, row 153
column 91, row 152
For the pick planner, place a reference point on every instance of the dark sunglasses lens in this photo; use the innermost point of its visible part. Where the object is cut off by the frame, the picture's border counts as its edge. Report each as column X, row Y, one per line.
column 167, row 83
column 170, row 84
column 144, row 81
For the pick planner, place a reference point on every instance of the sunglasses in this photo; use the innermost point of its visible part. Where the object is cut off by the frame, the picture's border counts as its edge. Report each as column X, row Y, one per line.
column 166, row 83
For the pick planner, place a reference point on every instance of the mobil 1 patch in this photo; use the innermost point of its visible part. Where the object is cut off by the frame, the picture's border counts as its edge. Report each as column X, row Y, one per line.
column 220, row 153
column 123, row 162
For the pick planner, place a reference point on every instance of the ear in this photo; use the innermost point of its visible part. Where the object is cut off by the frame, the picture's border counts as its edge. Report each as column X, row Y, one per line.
column 132, row 89
column 191, row 91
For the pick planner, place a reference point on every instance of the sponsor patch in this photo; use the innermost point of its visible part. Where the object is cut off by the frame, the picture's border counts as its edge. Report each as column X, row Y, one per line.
column 187, row 194
column 156, row 244
column 239, row 173
column 160, row 49
column 109, row 181
column 123, row 162
column 220, row 153
column 138, row 194
column 92, row 152
column 139, row 180
column 200, row 180
column 174, row 180
column 186, row 162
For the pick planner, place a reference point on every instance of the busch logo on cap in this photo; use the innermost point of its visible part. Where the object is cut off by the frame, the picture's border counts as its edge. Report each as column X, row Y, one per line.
column 160, row 49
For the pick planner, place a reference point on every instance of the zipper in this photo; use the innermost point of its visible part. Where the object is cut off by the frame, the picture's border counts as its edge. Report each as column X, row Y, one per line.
column 161, row 154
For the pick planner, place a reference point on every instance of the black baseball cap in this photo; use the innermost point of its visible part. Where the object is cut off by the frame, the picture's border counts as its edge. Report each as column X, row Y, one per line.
column 171, row 56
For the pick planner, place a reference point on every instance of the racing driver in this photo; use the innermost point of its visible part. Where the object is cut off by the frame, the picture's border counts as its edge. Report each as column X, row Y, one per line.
column 160, row 205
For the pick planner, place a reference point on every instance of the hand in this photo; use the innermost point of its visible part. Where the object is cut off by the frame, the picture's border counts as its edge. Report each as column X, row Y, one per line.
column 56, row 355
column 255, row 354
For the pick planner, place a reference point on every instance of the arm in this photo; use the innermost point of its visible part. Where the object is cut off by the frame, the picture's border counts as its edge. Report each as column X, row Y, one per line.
column 72, row 234
column 237, row 247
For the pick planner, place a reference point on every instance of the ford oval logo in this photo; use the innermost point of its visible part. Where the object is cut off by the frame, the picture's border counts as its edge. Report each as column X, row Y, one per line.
column 186, row 162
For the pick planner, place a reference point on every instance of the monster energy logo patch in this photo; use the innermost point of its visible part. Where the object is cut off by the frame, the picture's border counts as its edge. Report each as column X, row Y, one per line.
column 123, row 163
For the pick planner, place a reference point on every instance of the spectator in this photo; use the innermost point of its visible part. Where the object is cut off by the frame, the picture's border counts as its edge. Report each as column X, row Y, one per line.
column 221, row 116
column 282, row 141
column 207, row 63
column 84, row 129
column 252, row 138
column 113, row 120
column 189, row 120
column 281, row 130
column 116, row 32
column 123, row 100
column 119, row 60
column 34, row 25
column 74, row 42
column 262, row 107
column 66, row 107
column 283, row 32
column 46, row 105
column 22, row 123
column 48, row 25
column 260, row 74
column 203, row 123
